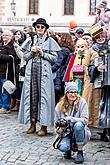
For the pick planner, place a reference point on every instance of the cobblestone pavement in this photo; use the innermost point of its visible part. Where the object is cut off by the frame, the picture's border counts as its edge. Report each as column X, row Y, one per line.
column 18, row 148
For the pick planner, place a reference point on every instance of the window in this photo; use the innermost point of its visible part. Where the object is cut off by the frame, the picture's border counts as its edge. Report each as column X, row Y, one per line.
column 33, row 6
column 68, row 7
column 92, row 10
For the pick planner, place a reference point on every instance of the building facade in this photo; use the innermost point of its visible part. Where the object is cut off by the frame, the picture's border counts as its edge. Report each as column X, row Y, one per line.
column 58, row 13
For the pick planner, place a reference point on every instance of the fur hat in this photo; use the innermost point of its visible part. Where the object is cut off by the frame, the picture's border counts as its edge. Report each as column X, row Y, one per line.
column 70, row 86
column 102, row 4
column 40, row 21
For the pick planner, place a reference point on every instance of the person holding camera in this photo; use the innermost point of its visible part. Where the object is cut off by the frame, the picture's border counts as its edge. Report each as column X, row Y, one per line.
column 72, row 108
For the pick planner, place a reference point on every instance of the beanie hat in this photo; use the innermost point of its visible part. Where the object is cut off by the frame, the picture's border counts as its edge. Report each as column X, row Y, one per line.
column 79, row 30
column 72, row 25
column 87, row 36
column 70, row 86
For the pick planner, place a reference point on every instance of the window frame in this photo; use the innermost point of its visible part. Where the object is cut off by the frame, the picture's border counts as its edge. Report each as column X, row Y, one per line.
column 92, row 8
column 35, row 10
column 70, row 7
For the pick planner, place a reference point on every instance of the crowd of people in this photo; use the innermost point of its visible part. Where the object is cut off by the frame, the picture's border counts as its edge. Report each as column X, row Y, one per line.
column 55, row 75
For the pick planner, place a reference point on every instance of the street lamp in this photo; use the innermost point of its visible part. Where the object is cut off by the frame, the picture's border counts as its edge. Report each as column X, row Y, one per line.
column 13, row 6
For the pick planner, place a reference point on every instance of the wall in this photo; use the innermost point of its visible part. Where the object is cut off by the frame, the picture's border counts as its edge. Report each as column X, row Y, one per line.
column 52, row 10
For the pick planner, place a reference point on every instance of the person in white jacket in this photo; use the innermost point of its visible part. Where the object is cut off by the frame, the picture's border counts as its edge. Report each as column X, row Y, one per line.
column 73, row 108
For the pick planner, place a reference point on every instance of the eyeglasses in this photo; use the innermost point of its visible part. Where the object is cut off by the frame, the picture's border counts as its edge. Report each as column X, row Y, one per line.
column 42, row 27
column 71, row 92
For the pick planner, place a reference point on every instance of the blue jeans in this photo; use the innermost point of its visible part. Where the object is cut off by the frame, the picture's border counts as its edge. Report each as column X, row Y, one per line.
column 65, row 144
column 78, row 129
column 5, row 98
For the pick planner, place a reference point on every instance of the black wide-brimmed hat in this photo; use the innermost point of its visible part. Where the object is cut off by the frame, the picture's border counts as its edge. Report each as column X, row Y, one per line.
column 41, row 21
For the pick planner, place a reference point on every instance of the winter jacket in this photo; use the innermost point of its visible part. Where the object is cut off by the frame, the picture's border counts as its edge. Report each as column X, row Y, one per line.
column 5, row 58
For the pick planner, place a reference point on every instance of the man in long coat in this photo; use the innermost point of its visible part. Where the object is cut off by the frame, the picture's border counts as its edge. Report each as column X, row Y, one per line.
column 37, row 100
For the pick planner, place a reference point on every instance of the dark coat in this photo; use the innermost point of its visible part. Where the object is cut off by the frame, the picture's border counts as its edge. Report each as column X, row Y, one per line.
column 104, row 113
column 58, row 63
column 93, row 72
column 5, row 51
column 58, row 83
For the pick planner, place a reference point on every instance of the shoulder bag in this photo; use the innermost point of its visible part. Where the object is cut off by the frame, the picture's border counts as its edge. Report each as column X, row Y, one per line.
column 8, row 85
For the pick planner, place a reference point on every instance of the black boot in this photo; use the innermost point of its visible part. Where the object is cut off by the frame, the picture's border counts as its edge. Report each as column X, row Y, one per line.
column 67, row 154
column 74, row 146
column 103, row 135
column 109, row 137
column 79, row 158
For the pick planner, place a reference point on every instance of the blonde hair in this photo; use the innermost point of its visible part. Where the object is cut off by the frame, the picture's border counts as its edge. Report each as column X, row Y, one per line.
column 64, row 103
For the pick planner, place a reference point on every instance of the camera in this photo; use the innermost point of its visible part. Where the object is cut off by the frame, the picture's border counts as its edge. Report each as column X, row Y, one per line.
column 61, row 123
